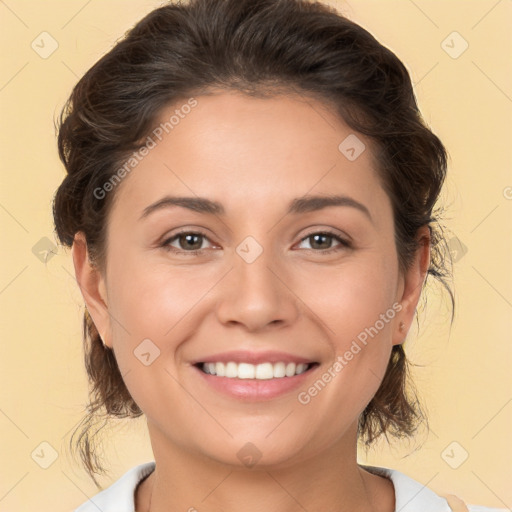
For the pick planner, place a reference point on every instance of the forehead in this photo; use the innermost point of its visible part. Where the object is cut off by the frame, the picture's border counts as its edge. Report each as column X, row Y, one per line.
column 235, row 148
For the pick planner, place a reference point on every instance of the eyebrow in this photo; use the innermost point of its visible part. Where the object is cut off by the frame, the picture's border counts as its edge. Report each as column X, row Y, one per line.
column 297, row 206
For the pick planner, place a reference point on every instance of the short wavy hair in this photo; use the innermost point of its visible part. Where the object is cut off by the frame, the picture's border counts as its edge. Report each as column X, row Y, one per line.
column 261, row 48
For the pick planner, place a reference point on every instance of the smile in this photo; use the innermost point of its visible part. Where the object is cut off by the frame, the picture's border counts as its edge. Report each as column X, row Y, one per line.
column 262, row 371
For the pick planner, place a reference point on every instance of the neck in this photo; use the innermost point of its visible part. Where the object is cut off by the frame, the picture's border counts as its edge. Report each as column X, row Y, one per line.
column 332, row 480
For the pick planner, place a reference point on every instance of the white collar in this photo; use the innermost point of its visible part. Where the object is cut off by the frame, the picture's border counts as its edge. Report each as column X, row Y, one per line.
column 410, row 495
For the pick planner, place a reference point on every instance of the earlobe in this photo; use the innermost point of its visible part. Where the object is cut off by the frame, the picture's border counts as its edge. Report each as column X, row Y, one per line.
column 400, row 333
column 413, row 284
column 92, row 285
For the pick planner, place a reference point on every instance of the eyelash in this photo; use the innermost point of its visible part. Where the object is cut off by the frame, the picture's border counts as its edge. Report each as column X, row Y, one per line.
column 343, row 243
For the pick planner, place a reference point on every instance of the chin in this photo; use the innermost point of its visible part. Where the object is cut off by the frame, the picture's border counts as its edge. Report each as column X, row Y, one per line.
column 257, row 450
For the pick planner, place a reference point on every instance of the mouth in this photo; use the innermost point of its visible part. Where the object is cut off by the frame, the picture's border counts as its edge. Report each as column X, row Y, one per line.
column 261, row 371
column 254, row 382
column 254, row 376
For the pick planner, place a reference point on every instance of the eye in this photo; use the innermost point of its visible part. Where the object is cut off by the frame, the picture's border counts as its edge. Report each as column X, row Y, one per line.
column 191, row 242
column 320, row 240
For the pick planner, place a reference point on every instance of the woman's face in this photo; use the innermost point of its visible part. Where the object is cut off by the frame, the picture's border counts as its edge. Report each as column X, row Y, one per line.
column 257, row 283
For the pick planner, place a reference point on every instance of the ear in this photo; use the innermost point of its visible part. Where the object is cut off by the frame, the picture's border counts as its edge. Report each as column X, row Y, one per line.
column 414, row 279
column 93, row 288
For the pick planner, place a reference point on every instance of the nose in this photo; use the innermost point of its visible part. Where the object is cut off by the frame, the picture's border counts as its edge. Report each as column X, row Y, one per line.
column 257, row 295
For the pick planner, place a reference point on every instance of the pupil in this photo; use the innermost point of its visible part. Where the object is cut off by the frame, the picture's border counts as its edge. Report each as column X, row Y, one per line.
column 188, row 237
column 316, row 237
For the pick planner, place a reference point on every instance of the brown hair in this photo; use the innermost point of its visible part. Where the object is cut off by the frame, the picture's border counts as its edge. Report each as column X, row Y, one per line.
column 260, row 48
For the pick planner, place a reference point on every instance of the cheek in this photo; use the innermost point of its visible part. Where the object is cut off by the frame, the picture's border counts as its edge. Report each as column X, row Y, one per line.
column 352, row 299
column 149, row 300
column 358, row 308
column 155, row 311
column 149, row 320
column 140, row 310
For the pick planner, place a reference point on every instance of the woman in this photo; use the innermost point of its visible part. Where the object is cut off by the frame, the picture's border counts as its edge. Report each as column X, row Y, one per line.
column 249, row 203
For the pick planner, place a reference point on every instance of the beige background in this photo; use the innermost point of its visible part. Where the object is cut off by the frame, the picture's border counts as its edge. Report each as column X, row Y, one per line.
column 465, row 379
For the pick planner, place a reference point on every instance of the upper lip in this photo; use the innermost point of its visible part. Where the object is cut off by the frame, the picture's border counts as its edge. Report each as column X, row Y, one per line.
column 244, row 356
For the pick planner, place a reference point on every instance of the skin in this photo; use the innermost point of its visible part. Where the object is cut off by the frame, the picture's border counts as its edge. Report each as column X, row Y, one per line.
column 253, row 156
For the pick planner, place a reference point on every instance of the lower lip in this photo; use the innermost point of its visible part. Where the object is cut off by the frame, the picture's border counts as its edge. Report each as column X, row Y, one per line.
column 255, row 389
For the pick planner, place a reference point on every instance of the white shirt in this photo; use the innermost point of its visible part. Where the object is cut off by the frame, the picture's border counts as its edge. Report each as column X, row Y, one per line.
column 410, row 496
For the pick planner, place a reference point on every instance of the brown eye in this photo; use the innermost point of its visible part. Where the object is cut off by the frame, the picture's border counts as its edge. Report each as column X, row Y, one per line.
column 190, row 241
column 322, row 242
column 187, row 242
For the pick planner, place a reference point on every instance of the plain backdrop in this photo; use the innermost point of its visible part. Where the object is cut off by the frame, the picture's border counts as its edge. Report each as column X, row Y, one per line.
column 458, row 54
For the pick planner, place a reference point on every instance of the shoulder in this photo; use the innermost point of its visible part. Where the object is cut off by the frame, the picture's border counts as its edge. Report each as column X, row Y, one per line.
column 411, row 496
column 119, row 497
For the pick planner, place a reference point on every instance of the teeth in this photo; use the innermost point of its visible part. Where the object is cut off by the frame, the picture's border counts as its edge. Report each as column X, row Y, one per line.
column 263, row 371
column 301, row 368
column 231, row 370
column 246, row 371
column 279, row 370
column 290, row 370
column 220, row 369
